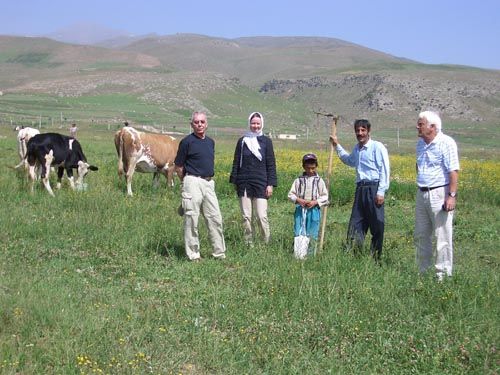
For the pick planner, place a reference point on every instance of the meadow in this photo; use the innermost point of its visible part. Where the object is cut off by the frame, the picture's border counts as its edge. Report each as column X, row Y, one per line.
column 97, row 283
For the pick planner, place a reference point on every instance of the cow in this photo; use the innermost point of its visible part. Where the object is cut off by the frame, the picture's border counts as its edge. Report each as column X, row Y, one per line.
column 23, row 136
column 145, row 153
column 53, row 149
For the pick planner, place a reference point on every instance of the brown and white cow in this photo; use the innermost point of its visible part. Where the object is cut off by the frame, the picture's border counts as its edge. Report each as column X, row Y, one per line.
column 23, row 136
column 145, row 153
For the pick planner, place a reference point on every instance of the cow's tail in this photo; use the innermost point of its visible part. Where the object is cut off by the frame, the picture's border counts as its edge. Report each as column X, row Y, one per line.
column 21, row 164
column 28, row 157
column 24, row 159
column 120, row 154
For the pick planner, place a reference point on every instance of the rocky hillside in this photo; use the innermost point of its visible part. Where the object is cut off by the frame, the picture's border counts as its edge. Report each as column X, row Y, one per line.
column 458, row 95
column 293, row 76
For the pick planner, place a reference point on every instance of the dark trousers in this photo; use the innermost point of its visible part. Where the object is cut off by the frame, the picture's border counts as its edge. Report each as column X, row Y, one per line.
column 365, row 214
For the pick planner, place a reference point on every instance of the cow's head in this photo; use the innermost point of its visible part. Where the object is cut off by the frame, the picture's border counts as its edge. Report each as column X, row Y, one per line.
column 83, row 169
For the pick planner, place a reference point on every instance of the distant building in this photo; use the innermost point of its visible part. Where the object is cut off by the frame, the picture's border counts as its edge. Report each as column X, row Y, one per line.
column 287, row 136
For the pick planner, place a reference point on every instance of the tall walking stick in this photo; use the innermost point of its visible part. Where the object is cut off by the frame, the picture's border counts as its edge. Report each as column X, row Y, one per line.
column 333, row 133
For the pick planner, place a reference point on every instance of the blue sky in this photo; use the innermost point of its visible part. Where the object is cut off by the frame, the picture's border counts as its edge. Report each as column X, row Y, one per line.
column 430, row 31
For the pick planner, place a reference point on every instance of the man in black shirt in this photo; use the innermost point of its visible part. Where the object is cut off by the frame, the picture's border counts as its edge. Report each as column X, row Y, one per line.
column 195, row 163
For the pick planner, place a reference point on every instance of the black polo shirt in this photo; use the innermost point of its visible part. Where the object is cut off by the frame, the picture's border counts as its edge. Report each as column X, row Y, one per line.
column 196, row 155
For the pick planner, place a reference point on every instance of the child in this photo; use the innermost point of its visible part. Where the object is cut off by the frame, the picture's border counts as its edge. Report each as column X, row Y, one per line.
column 309, row 193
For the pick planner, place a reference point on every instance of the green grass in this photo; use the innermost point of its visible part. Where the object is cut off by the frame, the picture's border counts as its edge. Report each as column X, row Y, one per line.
column 232, row 109
column 108, row 111
column 108, row 65
column 97, row 282
column 29, row 58
column 103, row 109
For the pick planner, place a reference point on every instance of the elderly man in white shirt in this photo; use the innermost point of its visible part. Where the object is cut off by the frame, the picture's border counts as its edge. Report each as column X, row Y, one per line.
column 371, row 160
column 437, row 181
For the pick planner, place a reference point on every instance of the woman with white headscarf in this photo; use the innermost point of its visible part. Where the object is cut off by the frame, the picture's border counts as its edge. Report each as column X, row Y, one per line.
column 254, row 175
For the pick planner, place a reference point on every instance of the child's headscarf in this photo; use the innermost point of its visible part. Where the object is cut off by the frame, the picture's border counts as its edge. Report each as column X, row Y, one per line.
column 250, row 138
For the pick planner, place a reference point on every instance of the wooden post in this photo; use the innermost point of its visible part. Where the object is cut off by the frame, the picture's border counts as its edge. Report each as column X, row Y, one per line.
column 333, row 133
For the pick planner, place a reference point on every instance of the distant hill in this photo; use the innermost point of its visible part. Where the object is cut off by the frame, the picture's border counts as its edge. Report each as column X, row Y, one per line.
column 25, row 61
column 122, row 40
column 86, row 33
column 293, row 76
column 256, row 60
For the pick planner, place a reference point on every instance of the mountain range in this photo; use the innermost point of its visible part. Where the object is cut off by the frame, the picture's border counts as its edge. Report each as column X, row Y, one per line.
column 291, row 77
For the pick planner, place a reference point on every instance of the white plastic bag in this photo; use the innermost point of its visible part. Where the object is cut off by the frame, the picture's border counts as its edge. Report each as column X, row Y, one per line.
column 300, row 246
column 301, row 242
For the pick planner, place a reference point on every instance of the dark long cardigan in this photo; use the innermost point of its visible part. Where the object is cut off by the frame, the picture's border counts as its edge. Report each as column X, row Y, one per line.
column 254, row 175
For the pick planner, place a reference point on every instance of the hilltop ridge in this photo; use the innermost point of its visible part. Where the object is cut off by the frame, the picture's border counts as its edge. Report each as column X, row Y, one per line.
column 182, row 71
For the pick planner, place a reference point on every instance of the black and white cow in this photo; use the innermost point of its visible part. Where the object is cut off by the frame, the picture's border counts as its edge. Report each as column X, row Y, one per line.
column 63, row 152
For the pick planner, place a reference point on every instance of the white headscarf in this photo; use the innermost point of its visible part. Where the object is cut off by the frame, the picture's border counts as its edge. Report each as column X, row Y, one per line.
column 250, row 138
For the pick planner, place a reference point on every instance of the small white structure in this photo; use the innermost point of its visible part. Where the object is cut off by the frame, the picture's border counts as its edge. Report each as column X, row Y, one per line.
column 287, row 136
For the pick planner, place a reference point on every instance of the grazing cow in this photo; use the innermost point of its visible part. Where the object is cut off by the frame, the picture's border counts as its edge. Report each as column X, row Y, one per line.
column 145, row 152
column 23, row 136
column 61, row 151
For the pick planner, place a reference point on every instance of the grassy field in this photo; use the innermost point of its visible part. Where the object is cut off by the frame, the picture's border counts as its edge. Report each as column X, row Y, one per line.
column 232, row 109
column 108, row 111
column 95, row 282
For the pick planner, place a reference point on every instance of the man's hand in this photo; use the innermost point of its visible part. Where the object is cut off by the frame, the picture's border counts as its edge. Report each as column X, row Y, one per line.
column 334, row 140
column 449, row 203
column 379, row 200
column 180, row 172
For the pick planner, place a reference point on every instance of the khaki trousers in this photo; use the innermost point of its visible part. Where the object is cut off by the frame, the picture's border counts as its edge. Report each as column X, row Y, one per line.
column 198, row 197
column 256, row 207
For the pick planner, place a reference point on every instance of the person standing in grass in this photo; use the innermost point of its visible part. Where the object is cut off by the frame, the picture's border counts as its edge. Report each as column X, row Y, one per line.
column 437, row 182
column 254, row 176
column 309, row 193
column 371, row 160
column 194, row 163
column 72, row 130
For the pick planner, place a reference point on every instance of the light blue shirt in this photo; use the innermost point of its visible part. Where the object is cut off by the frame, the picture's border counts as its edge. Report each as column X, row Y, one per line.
column 371, row 162
column 436, row 160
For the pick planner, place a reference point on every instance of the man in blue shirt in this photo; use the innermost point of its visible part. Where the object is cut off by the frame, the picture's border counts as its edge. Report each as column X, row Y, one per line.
column 371, row 160
column 195, row 163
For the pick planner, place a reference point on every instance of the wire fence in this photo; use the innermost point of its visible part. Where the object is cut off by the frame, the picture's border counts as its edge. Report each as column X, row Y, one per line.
column 313, row 135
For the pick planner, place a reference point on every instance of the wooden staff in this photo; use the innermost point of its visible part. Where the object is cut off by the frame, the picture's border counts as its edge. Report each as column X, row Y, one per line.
column 333, row 133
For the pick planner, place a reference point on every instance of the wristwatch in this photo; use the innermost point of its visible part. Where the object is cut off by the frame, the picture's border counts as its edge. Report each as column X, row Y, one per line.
column 452, row 194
